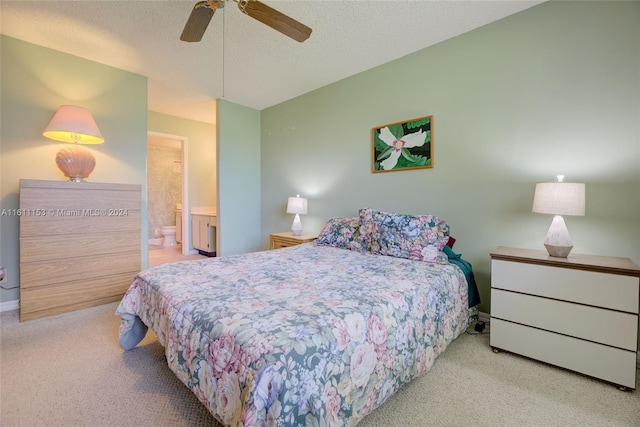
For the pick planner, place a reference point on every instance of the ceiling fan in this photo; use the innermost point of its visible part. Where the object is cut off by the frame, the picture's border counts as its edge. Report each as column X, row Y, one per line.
column 203, row 12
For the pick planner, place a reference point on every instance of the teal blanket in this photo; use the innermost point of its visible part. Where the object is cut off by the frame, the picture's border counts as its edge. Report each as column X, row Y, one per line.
column 454, row 258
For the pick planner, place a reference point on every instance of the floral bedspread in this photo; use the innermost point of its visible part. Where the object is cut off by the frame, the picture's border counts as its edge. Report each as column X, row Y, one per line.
column 306, row 335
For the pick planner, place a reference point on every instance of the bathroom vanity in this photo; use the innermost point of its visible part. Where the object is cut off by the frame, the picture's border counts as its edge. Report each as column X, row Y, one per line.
column 203, row 230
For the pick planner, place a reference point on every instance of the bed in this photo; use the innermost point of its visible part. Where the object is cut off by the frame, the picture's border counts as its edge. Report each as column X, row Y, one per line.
column 316, row 334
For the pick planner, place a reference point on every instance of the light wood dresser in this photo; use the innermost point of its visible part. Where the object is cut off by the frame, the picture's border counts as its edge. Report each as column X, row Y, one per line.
column 579, row 313
column 79, row 244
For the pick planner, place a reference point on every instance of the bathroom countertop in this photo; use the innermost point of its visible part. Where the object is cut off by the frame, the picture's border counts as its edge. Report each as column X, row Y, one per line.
column 204, row 210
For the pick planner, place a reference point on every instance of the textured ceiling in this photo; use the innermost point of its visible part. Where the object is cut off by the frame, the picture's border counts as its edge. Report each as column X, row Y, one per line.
column 240, row 59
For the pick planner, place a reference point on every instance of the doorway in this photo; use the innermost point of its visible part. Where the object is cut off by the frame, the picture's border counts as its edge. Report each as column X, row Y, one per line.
column 167, row 185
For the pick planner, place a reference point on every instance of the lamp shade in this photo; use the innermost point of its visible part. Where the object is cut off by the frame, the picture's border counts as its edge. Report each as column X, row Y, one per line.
column 559, row 198
column 297, row 205
column 75, row 125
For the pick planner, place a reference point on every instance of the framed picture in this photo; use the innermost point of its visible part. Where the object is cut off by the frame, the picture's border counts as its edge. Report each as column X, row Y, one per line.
column 403, row 145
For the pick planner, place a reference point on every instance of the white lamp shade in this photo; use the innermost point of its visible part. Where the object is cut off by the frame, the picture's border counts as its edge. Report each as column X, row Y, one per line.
column 297, row 205
column 75, row 125
column 559, row 198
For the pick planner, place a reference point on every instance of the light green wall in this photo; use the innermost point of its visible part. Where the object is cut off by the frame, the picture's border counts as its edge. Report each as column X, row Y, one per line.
column 201, row 151
column 35, row 81
column 553, row 89
column 238, row 179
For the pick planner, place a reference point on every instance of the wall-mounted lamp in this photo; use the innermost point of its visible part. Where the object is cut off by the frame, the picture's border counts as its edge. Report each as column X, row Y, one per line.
column 297, row 205
column 559, row 198
column 74, row 125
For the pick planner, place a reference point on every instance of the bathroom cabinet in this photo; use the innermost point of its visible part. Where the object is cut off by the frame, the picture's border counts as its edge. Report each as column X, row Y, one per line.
column 203, row 233
column 80, row 244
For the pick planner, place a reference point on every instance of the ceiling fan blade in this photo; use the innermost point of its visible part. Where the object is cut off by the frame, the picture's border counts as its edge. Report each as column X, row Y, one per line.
column 276, row 20
column 198, row 21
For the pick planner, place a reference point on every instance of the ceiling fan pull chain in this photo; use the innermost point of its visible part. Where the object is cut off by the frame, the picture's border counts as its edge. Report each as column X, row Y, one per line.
column 224, row 19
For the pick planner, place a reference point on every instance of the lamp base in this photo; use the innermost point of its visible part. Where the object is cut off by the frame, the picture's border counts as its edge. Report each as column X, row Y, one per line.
column 296, row 227
column 76, row 163
column 558, row 242
column 558, row 251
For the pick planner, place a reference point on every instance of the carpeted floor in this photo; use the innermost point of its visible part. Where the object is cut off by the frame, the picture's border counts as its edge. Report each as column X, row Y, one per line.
column 68, row 370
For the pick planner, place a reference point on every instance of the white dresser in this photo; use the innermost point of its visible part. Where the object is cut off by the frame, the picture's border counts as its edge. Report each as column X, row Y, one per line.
column 579, row 313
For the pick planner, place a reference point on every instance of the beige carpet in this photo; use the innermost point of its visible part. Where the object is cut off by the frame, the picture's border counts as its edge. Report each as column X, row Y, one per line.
column 69, row 370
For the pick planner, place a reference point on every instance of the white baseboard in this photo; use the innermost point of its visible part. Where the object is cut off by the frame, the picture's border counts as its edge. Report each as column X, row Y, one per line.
column 484, row 317
column 10, row 305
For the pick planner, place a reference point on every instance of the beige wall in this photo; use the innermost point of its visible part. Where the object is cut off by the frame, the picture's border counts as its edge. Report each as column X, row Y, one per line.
column 164, row 187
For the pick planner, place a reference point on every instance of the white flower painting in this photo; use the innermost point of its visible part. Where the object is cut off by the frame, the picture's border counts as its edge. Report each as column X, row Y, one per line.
column 404, row 145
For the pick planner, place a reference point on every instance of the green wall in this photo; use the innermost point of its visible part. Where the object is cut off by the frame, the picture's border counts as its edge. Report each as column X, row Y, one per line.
column 238, row 179
column 553, row 89
column 35, row 81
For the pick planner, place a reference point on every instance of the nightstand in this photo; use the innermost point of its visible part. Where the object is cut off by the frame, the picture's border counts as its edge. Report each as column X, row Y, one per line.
column 283, row 240
column 579, row 313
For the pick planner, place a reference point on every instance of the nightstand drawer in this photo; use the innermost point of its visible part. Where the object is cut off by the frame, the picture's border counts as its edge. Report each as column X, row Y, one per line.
column 284, row 240
column 600, row 361
column 613, row 291
column 605, row 326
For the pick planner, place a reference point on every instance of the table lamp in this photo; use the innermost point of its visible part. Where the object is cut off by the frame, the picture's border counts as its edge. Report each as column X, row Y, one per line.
column 297, row 205
column 74, row 125
column 559, row 198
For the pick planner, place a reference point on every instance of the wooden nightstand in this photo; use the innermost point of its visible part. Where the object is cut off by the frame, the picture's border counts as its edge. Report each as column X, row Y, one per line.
column 579, row 313
column 282, row 240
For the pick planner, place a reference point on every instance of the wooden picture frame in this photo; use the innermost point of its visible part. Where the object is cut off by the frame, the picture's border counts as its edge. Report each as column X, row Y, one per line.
column 403, row 145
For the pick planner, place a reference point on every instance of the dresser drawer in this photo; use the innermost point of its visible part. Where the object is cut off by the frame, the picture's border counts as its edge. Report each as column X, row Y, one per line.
column 600, row 361
column 607, row 290
column 605, row 326
column 49, row 300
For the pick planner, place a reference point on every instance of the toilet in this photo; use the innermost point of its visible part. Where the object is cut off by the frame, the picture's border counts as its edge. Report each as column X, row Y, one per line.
column 169, row 234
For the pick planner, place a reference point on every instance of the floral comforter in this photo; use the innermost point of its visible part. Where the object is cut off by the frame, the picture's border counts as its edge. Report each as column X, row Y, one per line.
column 306, row 335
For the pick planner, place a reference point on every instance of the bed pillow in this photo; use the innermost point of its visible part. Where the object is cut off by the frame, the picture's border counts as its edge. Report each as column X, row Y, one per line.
column 341, row 232
column 416, row 237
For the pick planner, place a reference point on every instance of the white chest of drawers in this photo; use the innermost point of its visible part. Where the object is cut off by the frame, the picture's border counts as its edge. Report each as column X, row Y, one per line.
column 579, row 313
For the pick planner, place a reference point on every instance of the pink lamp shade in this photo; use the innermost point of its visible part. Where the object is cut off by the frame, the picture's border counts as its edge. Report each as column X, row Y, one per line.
column 74, row 125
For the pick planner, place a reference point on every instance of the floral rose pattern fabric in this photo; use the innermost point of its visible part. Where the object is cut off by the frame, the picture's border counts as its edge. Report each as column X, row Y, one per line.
column 341, row 232
column 306, row 335
column 416, row 237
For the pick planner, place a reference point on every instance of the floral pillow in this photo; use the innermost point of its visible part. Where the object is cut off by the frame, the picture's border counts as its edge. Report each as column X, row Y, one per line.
column 341, row 232
column 416, row 237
